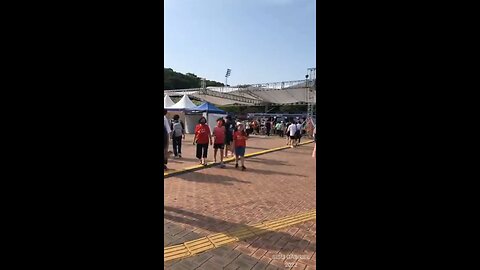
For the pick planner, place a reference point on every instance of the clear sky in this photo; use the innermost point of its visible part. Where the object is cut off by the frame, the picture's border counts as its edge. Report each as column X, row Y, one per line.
column 261, row 41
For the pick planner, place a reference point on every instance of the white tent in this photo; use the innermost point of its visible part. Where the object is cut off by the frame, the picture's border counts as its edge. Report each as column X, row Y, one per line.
column 190, row 120
column 212, row 119
column 167, row 101
column 184, row 103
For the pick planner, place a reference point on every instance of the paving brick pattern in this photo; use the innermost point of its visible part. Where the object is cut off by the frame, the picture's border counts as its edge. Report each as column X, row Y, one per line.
column 286, row 251
column 214, row 200
column 254, row 144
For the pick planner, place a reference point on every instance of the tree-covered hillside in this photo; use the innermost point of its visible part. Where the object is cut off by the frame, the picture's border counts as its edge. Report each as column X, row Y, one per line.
column 176, row 80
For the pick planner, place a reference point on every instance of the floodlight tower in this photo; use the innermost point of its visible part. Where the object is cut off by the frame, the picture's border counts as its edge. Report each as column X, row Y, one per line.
column 204, row 86
column 309, row 90
column 227, row 75
column 307, row 96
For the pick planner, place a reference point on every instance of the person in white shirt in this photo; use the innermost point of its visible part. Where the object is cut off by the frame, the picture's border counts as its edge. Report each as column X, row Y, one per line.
column 166, row 140
column 291, row 130
column 166, row 122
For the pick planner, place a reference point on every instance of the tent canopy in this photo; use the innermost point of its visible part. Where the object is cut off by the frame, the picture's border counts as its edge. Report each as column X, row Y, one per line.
column 167, row 101
column 207, row 107
column 184, row 104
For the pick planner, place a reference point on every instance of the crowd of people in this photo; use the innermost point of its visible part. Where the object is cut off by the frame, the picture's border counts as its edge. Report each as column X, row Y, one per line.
column 274, row 126
column 228, row 136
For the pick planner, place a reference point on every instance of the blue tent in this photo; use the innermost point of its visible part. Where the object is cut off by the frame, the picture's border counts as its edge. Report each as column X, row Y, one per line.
column 208, row 108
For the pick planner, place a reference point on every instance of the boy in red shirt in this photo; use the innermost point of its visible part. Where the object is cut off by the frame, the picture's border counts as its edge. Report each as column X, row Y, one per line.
column 239, row 143
column 202, row 136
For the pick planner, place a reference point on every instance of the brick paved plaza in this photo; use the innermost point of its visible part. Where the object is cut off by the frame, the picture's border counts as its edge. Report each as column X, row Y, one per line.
column 254, row 144
column 213, row 200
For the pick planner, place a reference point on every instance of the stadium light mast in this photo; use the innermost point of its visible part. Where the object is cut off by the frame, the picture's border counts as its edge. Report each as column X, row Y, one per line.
column 204, row 86
column 309, row 91
column 307, row 95
column 227, row 75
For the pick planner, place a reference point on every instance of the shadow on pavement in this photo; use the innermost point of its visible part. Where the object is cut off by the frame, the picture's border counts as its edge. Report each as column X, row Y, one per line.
column 210, row 178
column 263, row 137
column 258, row 148
column 217, row 225
column 267, row 161
column 268, row 172
column 184, row 159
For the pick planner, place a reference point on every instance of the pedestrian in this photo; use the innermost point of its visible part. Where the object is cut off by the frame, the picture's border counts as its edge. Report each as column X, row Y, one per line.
column 309, row 128
column 229, row 129
column 304, row 127
column 277, row 129
column 268, row 126
column 178, row 132
column 239, row 142
column 166, row 139
column 280, row 129
column 248, row 128
column 291, row 131
column 314, row 155
column 285, row 131
column 202, row 137
column 219, row 140
column 298, row 133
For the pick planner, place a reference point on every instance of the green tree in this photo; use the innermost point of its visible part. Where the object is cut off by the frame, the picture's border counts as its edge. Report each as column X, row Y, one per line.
column 176, row 80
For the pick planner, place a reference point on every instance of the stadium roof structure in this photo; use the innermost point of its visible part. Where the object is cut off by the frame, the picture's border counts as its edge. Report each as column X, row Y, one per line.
column 291, row 92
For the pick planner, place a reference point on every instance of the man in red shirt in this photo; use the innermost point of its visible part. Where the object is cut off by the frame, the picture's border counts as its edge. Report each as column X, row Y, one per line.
column 202, row 136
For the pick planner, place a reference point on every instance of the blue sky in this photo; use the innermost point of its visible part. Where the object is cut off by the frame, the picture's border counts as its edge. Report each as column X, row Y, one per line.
column 260, row 40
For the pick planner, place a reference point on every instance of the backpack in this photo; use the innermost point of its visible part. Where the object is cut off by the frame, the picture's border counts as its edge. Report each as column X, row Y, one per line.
column 177, row 129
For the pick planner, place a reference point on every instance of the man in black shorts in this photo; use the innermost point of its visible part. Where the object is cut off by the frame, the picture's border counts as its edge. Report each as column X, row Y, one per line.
column 217, row 146
column 291, row 131
column 229, row 128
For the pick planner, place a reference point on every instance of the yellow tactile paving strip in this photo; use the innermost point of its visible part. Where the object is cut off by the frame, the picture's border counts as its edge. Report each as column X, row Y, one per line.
column 210, row 164
column 213, row 241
